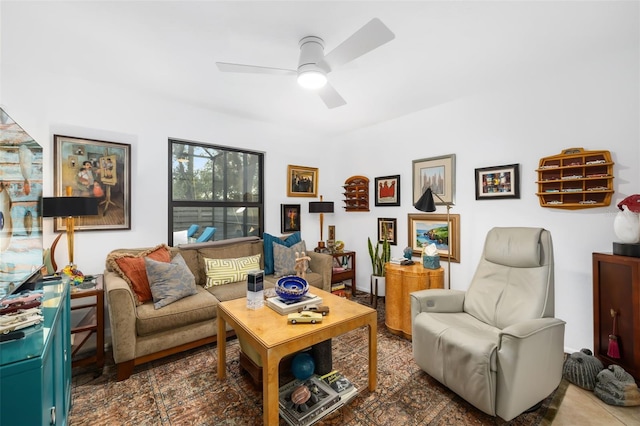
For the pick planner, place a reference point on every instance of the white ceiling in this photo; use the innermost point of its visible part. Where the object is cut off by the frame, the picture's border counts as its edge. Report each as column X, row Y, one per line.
column 443, row 50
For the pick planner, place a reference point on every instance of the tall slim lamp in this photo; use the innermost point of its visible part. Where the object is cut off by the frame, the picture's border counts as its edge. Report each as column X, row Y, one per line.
column 321, row 207
column 426, row 204
column 69, row 207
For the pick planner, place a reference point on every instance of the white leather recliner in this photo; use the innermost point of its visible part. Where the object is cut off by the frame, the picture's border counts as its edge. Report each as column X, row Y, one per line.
column 496, row 345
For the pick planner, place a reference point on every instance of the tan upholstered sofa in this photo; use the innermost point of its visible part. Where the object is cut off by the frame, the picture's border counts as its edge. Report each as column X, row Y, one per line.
column 142, row 333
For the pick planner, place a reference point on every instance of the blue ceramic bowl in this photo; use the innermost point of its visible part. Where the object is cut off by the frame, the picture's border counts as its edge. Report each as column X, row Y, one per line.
column 291, row 287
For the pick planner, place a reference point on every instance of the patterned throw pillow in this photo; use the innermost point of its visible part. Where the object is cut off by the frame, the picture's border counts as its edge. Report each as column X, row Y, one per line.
column 268, row 240
column 169, row 281
column 131, row 268
column 225, row 271
column 284, row 258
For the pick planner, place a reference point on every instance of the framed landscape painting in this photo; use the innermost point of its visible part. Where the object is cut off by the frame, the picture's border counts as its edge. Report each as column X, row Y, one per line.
column 302, row 181
column 93, row 168
column 426, row 229
column 498, row 182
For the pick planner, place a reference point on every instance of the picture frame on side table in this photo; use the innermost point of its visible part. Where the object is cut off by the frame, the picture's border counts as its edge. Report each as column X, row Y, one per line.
column 498, row 182
column 289, row 218
column 302, row 181
column 94, row 168
column 439, row 173
column 425, row 229
column 387, row 191
column 392, row 230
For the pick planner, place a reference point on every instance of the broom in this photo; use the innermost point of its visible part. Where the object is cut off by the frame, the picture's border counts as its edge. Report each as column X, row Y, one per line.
column 614, row 350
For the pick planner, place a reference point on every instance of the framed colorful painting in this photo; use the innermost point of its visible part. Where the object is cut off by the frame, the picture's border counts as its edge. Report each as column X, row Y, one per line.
column 498, row 182
column 94, row 168
column 426, row 229
column 387, row 191
column 439, row 173
column 302, row 181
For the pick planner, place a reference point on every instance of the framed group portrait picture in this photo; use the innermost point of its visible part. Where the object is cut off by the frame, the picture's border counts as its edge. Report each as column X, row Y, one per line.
column 302, row 181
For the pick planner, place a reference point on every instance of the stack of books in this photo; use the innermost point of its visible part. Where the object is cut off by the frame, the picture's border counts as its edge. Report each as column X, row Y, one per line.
column 339, row 383
column 285, row 307
column 397, row 260
column 339, row 289
column 323, row 400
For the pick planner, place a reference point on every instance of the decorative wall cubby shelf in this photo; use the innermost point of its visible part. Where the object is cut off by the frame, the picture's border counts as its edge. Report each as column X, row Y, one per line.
column 575, row 179
column 356, row 194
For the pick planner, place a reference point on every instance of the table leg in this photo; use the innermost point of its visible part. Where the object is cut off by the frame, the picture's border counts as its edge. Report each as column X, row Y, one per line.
column 222, row 348
column 270, row 388
column 373, row 355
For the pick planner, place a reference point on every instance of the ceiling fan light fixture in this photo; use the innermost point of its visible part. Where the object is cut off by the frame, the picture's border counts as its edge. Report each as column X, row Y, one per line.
column 312, row 78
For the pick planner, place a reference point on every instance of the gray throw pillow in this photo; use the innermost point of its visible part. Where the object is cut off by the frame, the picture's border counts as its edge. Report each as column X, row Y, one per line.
column 169, row 281
column 284, row 258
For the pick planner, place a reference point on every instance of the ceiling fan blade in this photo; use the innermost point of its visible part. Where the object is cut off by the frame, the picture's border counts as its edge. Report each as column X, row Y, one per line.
column 374, row 34
column 331, row 97
column 253, row 69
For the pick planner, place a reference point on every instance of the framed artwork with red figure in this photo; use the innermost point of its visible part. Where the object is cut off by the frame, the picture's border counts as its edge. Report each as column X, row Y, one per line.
column 387, row 191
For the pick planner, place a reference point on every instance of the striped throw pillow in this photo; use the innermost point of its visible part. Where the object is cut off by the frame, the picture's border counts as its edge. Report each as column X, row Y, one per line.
column 225, row 271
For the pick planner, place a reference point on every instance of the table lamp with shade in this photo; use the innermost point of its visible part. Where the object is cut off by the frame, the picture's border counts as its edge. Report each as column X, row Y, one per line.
column 69, row 208
column 321, row 207
column 427, row 204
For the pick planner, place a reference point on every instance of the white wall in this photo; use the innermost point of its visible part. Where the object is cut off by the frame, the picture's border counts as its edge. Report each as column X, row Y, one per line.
column 592, row 105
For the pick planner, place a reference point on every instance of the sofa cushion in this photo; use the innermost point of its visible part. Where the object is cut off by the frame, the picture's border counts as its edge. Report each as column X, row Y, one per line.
column 268, row 248
column 192, row 259
column 132, row 269
column 169, row 281
column 190, row 310
column 225, row 271
column 284, row 258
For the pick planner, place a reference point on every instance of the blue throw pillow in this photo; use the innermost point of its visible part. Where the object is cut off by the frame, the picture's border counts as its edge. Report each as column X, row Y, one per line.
column 268, row 240
column 169, row 282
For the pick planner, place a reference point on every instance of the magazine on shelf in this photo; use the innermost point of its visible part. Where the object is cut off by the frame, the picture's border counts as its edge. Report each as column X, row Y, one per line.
column 284, row 307
column 323, row 400
column 339, row 383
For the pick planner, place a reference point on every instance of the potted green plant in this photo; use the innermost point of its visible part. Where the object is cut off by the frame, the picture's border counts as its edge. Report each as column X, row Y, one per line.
column 379, row 258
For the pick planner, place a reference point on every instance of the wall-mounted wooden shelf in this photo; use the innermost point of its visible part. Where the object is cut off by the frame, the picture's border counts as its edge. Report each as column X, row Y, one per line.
column 575, row 179
column 356, row 194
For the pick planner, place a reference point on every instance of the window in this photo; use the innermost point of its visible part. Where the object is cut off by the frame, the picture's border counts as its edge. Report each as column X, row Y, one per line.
column 214, row 187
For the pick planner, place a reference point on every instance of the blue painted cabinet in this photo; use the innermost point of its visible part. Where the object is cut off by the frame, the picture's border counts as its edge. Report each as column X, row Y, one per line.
column 35, row 372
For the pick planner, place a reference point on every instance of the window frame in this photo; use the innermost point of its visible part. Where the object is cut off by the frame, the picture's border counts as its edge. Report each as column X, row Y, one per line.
column 224, row 205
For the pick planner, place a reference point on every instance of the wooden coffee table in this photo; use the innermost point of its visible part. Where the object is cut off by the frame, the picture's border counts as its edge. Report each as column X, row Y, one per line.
column 268, row 332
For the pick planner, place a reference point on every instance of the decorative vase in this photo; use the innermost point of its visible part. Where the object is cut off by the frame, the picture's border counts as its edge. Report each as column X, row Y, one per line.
column 626, row 226
column 378, row 283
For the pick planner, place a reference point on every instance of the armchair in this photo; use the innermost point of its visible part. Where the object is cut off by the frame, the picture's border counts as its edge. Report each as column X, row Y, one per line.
column 496, row 345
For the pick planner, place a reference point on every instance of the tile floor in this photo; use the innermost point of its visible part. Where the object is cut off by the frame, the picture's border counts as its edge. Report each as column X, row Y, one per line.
column 582, row 407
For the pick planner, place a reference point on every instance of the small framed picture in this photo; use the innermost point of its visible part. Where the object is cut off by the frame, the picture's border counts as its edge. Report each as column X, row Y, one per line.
column 289, row 218
column 498, row 182
column 302, row 181
column 387, row 191
column 387, row 226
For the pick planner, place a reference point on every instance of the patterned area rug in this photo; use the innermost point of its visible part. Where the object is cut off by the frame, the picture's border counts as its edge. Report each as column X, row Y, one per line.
column 183, row 390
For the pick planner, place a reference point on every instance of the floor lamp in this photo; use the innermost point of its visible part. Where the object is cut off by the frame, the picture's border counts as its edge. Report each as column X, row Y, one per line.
column 321, row 207
column 426, row 204
column 69, row 207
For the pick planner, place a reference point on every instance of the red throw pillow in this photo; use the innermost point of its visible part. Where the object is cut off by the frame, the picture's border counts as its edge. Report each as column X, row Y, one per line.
column 132, row 269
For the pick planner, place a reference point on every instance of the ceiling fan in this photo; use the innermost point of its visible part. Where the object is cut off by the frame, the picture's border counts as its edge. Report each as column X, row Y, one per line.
column 314, row 65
